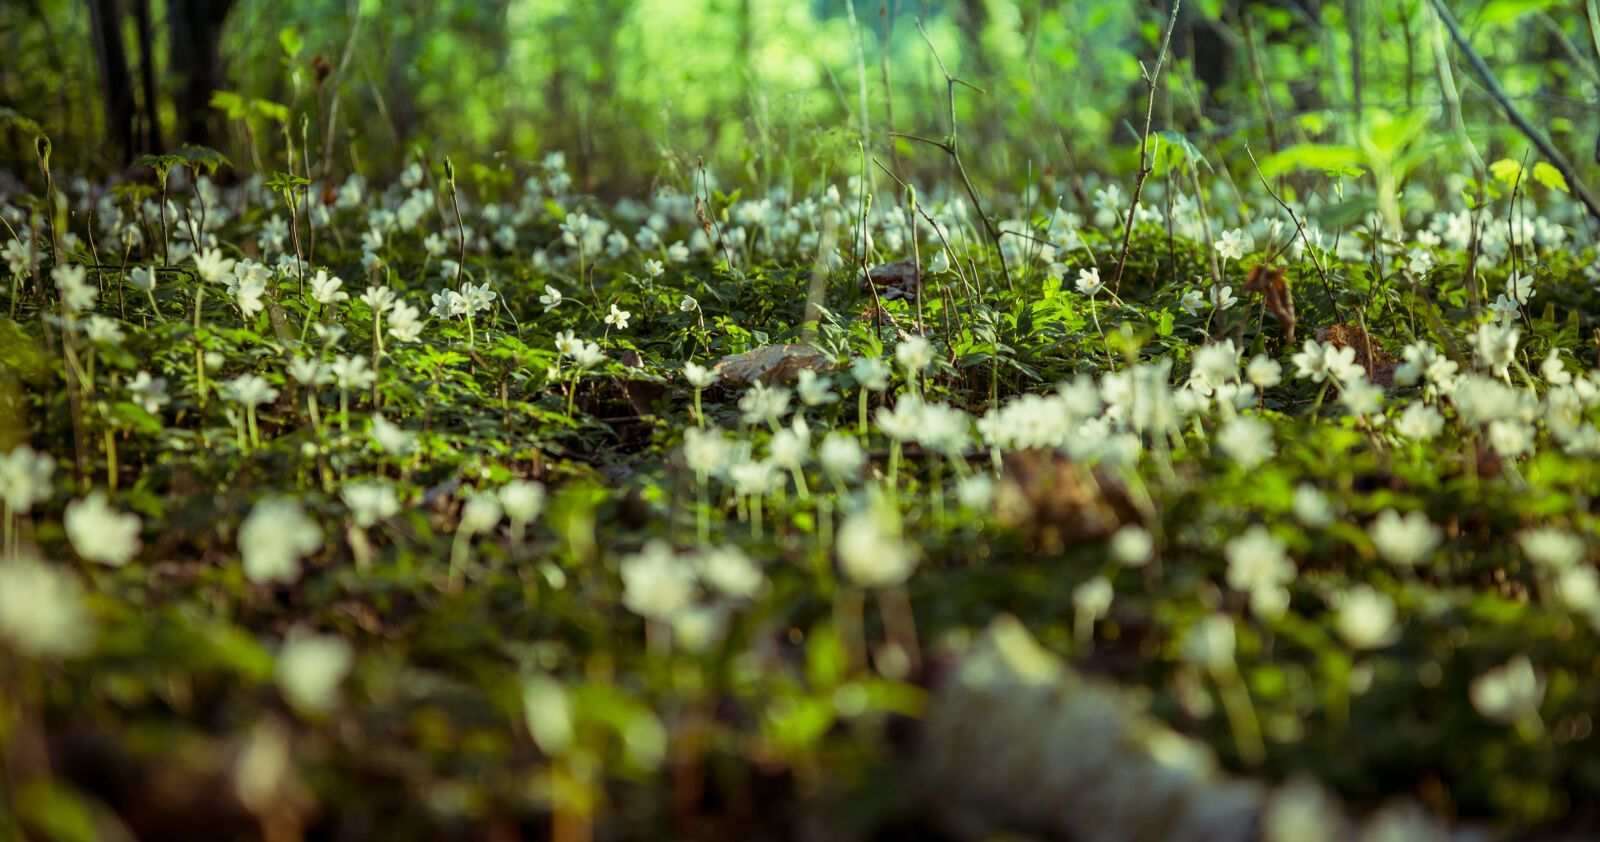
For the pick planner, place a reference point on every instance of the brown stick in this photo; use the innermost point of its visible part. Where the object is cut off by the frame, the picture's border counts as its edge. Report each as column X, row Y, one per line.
column 1145, row 166
column 1492, row 85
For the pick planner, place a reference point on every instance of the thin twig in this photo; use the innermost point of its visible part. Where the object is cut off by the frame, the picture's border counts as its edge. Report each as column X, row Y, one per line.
column 1145, row 166
column 1492, row 84
column 1310, row 246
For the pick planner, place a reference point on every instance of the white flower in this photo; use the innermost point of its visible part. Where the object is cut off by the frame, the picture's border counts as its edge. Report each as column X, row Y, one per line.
column 1247, row 441
column 143, row 278
column 871, row 373
column 976, row 491
column 568, row 343
column 1131, row 545
column 940, row 262
column 1366, row 618
column 1263, row 371
column 149, row 392
column 1405, row 541
column 310, row 372
column 1222, row 297
column 274, row 538
column 1210, row 642
column 1554, row 372
column 393, row 439
column 480, row 514
column 478, row 299
column 311, row 667
column 730, row 572
column 1419, row 260
column 1496, row 347
column 1509, row 693
column 103, row 331
column 1520, row 288
column 42, row 610
column 698, row 375
column 77, row 294
column 763, row 403
column 587, row 355
column 1191, row 301
column 211, row 266
column 101, row 533
column 1555, row 549
column 1361, row 396
column 1232, row 244
column 551, row 298
column 704, row 451
column 618, row 318
column 840, row 455
column 653, row 268
column 814, row 389
column 1092, row 598
column 380, row 299
column 352, row 372
column 325, row 288
column 25, row 478
column 370, row 502
column 1311, row 362
column 403, row 323
column 1340, row 363
column 870, row 553
column 522, row 500
column 1257, row 560
column 914, row 354
column 1420, row 422
column 1089, row 282
column 655, row 583
column 1311, row 506
column 251, row 390
column 688, row 304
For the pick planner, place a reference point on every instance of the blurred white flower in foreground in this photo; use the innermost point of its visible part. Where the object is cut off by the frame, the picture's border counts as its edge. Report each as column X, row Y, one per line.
column 274, row 538
column 1405, row 541
column 101, row 533
column 42, row 612
column 311, row 667
column 871, row 551
column 655, row 583
column 1509, row 694
column 1367, row 618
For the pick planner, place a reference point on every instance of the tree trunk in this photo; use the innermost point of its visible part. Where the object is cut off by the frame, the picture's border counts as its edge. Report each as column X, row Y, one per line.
column 116, row 85
column 196, row 34
column 151, row 141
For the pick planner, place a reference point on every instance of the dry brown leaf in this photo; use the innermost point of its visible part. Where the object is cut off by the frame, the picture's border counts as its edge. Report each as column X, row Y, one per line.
column 769, row 363
column 899, row 279
column 1378, row 363
column 1058, row 502
column 641, row 394
column 1269, row 282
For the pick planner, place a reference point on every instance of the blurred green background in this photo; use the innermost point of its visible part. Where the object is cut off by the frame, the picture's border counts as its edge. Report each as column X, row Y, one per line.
column 634, row 92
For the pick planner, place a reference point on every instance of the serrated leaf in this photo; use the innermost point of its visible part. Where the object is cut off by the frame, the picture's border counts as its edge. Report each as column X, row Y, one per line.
column 1550, row 177
column 1506, row 170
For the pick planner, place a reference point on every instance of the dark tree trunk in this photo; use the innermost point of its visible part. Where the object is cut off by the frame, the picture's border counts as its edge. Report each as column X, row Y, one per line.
column 151, row 140
column 116, row 85
column 196, row 32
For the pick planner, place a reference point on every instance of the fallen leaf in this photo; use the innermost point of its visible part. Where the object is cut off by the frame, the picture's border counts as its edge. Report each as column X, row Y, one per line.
column 772, row 362
column 1269, row 282
column 899, row 279
column 1058, row 502
column 1378, row 363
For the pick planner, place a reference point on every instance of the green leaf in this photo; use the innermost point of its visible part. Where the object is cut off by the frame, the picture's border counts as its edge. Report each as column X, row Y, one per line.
column 1550, row 177
column 1506, row 170
column 1172, row 149
column 230, row 104
column 1329, row 158
column 202, row 157
column 291, row 41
